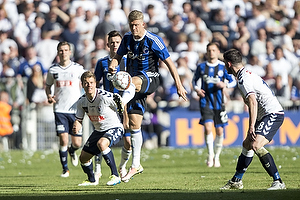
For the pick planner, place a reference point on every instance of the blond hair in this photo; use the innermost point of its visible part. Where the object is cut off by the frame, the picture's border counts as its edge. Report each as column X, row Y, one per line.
column 135, row 15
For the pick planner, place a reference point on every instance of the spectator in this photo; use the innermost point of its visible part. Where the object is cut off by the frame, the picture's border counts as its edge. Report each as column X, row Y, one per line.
column 87, row 26
column 55, row 21
column 100, row 49
column 281, row 91
column 5, row 24
column 258, row 46
column 35, row 86
column 104, row 26
column 256, row 22
column 220, row 24
column 45, row 49
column 255, row 67
column 36, row 32
column 118, row 16
column 193, row 24
column 22, row 29
column 281, row 66
column 71, row 35
column 152, row 24
column 287, row 38
column 25, row 69
column 202, row 10
column 269, row 55
column 191, row 56
column 174, row 31
column 275, row 26
column 269, row 76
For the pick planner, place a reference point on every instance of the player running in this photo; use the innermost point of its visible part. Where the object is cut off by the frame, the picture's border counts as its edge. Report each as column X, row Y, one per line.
column 101, row 109
column 265, row 117
column 65, row 77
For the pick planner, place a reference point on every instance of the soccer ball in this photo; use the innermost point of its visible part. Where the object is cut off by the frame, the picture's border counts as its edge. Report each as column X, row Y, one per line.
column 121, row 80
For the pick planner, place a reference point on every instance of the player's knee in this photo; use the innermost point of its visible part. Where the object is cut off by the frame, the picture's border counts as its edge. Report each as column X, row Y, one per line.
column 261, row 151
column 103, row 143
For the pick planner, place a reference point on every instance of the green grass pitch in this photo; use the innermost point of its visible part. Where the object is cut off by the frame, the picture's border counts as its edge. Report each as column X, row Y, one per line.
column 168, row 174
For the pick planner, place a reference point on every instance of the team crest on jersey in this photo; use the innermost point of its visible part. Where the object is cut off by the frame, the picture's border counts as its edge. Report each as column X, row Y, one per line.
column 146, row 50
column 55, row 76
column 220, row 73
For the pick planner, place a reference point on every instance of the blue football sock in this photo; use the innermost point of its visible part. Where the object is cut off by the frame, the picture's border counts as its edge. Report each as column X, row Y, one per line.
column 268, row 163
column 63, row 155
column 110, row 161
column 241, row 167
column 88, row 169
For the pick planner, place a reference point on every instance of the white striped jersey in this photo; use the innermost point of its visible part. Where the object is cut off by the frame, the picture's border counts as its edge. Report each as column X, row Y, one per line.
column 67, row 86
column 250, row 83
column 102, row 110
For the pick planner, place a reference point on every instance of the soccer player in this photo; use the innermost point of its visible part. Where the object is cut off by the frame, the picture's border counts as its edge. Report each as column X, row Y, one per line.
column 265, row 117
column 65, row 77
column 143, row 49
column 101, row 73
column 101, row 109
column 214, row 78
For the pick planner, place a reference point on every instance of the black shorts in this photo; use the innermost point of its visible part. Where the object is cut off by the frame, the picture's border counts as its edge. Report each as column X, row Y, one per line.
column 269, row 125
column 64, row 124
column 150, row 83
column 219, row 117
column 114, row 135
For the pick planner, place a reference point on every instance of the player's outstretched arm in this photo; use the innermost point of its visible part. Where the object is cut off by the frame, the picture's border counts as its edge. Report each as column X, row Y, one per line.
column 114, row 63
column 180, row 89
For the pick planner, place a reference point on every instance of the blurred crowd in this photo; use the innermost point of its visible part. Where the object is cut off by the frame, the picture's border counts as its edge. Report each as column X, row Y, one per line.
column 267, row 32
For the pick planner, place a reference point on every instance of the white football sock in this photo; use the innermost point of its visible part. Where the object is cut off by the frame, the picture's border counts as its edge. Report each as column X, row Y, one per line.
column 128, row 94
column 125, row 154
column 136, row 142
column 218, row 145
column 209, row 140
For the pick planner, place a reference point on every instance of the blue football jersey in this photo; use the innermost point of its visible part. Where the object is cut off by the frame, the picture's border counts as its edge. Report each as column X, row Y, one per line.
column 101, row 71
column 210, row 74
column 143, row 54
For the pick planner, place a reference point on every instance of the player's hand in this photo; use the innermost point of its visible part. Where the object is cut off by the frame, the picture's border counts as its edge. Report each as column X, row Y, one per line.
column 76, row 127
column 109, row 76
column 251, row 135
column 51, row 99
column 182, row 93
column 201, row 93
column 112, row 69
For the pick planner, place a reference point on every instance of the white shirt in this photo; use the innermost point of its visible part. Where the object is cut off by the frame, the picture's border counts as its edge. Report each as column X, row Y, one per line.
column 250, row 83
column 102, row 110
column 67, row 89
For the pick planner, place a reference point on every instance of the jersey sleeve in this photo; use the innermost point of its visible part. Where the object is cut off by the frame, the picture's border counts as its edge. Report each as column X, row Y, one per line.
column 231, row 80
column 49, row 78
column 80, row 111
column 246, row 86
column 159, row 48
